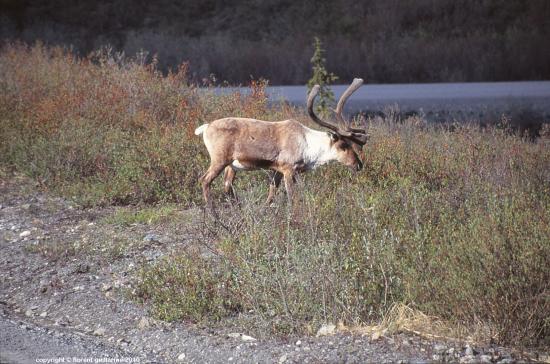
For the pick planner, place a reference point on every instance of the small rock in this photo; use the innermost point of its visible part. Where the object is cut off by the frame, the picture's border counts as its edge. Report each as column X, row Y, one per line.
column 181, row 357
column 247, row 338
column 100, row 331
column 282, row 359
column 25, row 233
column 82, row 268
column 43, row 314
column 436, row 357
column 151, row 237
column 105, row 287
column 451, row 351
column 62, row 321
column 26, row 206
column 407, row 342
column 506, row 361
column 29, row 313
column 484, row 358
column 298, row 343
column 467, row 359
column 144, row 323
column 327, row 329
column 468, row 351
column 243, row 337
column 438, row 348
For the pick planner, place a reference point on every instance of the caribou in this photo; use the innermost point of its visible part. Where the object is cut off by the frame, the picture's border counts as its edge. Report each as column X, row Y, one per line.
column 284, row 147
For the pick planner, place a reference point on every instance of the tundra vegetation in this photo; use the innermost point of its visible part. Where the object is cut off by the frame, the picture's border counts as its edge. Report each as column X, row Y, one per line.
column 452, row 222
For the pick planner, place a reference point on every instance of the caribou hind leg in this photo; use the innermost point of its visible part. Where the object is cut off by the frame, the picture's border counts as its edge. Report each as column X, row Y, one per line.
column 213, row 171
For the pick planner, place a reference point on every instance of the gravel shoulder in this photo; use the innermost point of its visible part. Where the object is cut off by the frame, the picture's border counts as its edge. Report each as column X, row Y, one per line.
column 65, row 283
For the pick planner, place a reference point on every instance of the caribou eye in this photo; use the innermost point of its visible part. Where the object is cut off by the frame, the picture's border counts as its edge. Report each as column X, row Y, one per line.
column 343, row 146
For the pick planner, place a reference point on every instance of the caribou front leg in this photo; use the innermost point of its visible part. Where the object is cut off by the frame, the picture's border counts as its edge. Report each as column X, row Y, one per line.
column 289, row 185
column 228, row 177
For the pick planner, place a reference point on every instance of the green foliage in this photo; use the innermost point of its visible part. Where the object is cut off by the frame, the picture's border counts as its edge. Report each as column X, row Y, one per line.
column 323, row 78
column 187, row 287
column 146, row 215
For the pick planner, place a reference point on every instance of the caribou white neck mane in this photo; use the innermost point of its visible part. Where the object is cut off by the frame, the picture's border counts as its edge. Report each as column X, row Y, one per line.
column 318, row 149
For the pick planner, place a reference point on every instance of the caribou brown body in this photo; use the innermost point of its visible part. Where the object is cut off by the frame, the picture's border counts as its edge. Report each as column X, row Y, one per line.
column 284, row 147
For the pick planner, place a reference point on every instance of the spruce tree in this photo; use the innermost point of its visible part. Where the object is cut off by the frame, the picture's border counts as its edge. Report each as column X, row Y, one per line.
column 323, row 78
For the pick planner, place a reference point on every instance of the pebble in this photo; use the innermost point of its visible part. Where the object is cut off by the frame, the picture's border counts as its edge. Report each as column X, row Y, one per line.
column 247, row 338
column 298, row 343
column 100, row 331
column 144, row 323
column 43, row 314
column 151, row 237
column 485, row 359
column 181, row 357
column 468, row 351
column 105, row 287
column 438, row 348
column 467, row 359
column 25, row 233
column 282, row 359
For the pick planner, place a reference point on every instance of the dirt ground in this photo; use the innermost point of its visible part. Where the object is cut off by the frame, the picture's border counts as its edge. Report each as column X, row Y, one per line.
column 65, row 296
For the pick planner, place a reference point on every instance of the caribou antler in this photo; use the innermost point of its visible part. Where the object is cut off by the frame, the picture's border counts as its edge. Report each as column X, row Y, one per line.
column 358, row 136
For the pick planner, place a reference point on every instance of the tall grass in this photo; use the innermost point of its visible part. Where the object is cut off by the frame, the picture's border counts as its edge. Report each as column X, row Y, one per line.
column 455, row 224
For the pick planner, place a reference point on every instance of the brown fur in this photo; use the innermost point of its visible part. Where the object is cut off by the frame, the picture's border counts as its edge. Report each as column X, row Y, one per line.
column 257, row 144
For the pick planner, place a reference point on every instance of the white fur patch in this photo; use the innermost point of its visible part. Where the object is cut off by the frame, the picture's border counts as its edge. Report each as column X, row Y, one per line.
column 201, row 129
column 317, row 150
column 237, row 165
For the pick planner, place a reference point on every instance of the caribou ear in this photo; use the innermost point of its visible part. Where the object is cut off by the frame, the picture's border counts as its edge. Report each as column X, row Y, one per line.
column 333, row 136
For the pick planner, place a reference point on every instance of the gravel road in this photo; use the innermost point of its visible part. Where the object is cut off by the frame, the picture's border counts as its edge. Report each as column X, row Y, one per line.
column 24, row 342
column 437, row 101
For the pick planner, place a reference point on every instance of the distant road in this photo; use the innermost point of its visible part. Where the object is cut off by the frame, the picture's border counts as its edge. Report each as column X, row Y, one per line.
column 475, row 99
